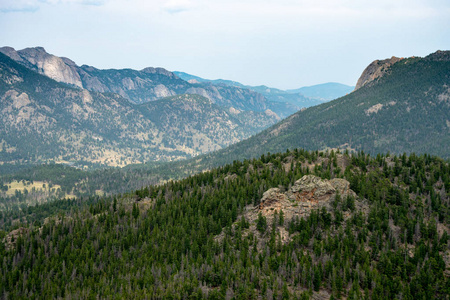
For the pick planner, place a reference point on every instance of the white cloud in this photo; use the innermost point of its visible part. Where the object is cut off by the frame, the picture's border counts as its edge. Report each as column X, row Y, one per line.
column 330, row 8
column 176, row 6
column 7, row 6
column 10, row 6
column 82, row 2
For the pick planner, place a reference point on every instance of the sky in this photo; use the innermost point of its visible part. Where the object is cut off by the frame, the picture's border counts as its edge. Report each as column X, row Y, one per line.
column 284, row 44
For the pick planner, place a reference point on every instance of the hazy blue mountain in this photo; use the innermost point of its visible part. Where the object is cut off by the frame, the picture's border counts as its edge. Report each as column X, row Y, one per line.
column 324, row 91
column 302, row 97
column 197, row 79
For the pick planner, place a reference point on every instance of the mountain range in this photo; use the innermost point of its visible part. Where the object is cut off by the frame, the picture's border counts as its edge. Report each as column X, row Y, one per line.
column 43, row 120
column 90, row 115
column 141, row 86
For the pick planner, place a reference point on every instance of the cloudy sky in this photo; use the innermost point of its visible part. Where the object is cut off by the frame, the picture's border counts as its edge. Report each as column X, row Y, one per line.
column 280, row 43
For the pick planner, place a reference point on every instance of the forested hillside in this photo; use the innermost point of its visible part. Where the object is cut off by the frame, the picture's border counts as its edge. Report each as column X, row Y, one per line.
column 292, row 225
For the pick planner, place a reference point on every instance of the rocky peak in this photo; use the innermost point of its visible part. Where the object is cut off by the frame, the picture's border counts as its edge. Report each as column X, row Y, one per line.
column 34, row 55
column 57, row 68
column 375, row 70
column 311, row 188
column 161, row 71
column 7, row 49
column 87, row 68
column 68, row 61
column 11, row 52
column 38, row 49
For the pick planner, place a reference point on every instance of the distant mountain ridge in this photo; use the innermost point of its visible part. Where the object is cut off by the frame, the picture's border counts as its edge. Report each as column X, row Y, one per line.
column 302, row 97
column 42, row 120
column 142, row 86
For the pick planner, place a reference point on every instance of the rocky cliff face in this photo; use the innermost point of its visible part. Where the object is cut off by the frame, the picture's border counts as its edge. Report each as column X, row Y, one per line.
column 376, row 69
column 37, row 59
column 137, row 86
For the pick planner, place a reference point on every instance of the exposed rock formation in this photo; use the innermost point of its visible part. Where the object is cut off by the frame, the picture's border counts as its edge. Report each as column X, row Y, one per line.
column 307, row 194
column 376, row 69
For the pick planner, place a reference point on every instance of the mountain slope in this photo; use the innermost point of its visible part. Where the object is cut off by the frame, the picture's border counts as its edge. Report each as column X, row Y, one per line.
column 406, row 110
column 43, row 120
column 141, row 86
column 194, row 122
